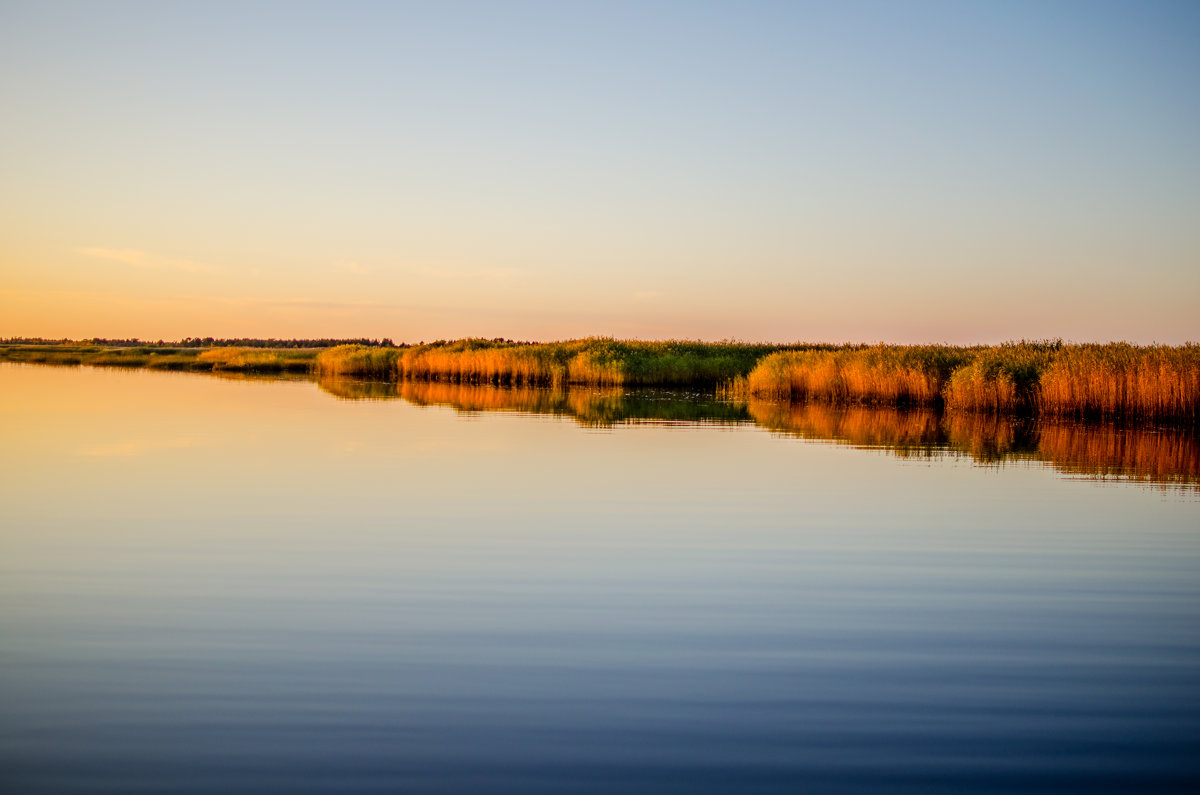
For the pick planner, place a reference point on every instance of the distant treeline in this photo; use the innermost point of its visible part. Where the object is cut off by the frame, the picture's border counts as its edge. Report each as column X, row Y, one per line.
column 202, row 342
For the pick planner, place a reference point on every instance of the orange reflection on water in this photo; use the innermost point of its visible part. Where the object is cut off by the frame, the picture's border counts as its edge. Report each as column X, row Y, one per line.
column 1155, row 456
column 589, row 406
column 1165, row 456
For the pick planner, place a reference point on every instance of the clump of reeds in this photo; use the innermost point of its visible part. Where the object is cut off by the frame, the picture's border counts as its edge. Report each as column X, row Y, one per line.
column 487, row 362
column 1122, row 381
column 256, row 360
column 878, row 374
column 357, row 360
column 594, row 361
column 1003, row 379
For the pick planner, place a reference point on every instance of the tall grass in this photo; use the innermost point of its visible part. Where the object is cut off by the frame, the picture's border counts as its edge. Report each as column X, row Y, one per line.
column 1115, row 381
column 257, row 360
column 1111, row 381
column 593, row 362
column 264, row 360
column 878, row 374
column 1121, row 381
column 488, row 362
column 1002, row 380
column 357, row 360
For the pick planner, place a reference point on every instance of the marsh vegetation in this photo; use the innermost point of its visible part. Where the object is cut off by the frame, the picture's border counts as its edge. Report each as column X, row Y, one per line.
column 1112, row 381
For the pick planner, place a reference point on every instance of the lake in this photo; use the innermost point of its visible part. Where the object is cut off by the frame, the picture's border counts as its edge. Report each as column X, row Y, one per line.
column 212, row 584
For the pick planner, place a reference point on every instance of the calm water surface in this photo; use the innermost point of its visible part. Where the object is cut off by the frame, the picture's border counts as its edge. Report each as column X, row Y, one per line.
column 212, row 585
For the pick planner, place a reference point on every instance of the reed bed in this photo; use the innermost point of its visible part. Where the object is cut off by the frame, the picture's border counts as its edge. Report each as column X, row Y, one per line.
column 357, row 360
column 256, row 360
column 265, row 360
column 1121, row 381
column 1114, row 381
column 878, row 374
column 592, row 362
column 1001, row 380
column 474, row 361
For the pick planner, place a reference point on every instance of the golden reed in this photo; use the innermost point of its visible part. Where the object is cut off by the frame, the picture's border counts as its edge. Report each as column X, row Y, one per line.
column 1116, row 381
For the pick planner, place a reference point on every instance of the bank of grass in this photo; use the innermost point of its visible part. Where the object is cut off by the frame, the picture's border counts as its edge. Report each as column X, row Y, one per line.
column 258, row 360
column 875, row 374
column 1113, row 381
column 230, row 359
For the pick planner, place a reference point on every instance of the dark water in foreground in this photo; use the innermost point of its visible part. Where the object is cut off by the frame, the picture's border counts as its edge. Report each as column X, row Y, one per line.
column 238, row 586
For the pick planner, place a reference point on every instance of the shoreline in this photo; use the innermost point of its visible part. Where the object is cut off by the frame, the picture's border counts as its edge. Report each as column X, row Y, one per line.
column 1108, row 382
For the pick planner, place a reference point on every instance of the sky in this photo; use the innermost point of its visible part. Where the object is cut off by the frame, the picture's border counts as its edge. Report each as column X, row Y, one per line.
column 962, row 172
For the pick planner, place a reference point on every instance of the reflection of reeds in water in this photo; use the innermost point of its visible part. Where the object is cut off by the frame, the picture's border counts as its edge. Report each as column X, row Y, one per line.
column 1168, row 456
column 915, row 432
column 474, row 398
column 594, row 406
column 990, row 438
column 358, row 388
column 1105, row 451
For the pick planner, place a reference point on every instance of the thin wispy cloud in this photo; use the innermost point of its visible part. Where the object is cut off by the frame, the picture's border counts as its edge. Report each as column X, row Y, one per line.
column 147, row 260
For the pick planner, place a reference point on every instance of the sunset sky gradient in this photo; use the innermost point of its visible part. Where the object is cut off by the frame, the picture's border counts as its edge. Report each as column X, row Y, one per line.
column 844, row 171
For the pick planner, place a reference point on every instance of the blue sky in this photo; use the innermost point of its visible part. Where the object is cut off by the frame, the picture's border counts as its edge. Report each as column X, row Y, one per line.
column 908, row 172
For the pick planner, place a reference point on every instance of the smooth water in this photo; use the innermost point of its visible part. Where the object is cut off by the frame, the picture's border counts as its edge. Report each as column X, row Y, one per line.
column 212, row 585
